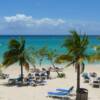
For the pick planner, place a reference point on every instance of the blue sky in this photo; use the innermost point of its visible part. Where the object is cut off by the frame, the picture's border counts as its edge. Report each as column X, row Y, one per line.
column 49, row 16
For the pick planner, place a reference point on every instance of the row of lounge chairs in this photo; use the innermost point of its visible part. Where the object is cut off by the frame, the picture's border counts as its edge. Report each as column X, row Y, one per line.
column 3, row 76
column 29, row 82
column 61, row 93
column 32, row 79
column 92, row 79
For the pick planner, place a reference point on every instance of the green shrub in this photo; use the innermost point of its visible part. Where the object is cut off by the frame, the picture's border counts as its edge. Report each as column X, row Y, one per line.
column 61, row 75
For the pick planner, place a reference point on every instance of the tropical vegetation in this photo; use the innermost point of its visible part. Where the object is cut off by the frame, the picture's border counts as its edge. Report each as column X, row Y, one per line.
column 51, row 56
column 16, row 53
column 76, row 46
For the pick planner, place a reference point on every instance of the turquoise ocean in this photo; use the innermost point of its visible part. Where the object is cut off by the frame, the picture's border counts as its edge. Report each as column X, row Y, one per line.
column 53, row 42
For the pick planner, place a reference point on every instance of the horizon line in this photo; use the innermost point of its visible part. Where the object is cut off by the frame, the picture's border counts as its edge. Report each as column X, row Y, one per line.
column 46, row 35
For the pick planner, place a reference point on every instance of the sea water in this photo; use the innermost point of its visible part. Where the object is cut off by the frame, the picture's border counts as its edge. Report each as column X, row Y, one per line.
column 52, row 42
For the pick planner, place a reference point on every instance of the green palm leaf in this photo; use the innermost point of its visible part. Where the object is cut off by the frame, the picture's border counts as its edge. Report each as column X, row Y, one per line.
column 16, row 53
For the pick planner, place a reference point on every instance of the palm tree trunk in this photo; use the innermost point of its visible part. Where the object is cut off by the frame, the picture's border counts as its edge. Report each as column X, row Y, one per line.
column 55, row 67
column 41, row 61
column 34, row 66
column 21, row 70
column 78, row 76
column 78, row 80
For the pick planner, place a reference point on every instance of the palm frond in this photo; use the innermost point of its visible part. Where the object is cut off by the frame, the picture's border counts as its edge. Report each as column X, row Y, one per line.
column 42, row 51
column 9, row 61
column 72, row 62
column 84, row 41
column 75, row 37
column 13, row 44
column 51, row 54
column 82, row 67
column 63, row 58
column 26, row 65
column 22, row 46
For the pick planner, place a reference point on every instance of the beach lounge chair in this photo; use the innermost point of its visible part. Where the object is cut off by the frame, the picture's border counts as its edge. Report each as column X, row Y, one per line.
column 93, row 74
column 43, row 76
column 14, row 81
column 65, row 89
column 98, row 78
column 37, row 76
column 3, row 76
column 32, row 83
column 11, row 81
column 86, row 77
column 61, row 93
column 40, row 82
column 96, row 82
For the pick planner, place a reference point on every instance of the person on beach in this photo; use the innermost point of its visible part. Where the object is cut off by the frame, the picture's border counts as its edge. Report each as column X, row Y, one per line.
column 48, row 73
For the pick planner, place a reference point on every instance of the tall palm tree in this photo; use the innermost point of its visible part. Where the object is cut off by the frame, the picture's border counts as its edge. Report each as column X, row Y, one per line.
column 16, row 53
column 76, row 47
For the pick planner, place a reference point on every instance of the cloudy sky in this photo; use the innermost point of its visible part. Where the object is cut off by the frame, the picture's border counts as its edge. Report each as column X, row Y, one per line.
column 50, row 17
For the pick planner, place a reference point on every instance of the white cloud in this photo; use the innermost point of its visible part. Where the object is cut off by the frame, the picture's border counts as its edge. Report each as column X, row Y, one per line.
column 49, row 21
column 18, row 17
column 28, row 20
column 21, row 23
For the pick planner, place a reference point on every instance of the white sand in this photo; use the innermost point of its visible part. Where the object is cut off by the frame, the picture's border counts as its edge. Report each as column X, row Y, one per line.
column 40, row 92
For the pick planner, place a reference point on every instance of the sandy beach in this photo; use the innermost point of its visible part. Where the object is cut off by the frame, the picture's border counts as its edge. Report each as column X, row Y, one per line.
column 40, row 92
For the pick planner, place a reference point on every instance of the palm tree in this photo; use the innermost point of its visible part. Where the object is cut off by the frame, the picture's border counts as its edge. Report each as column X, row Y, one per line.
column 31, row 54
column 16, row 53
column 76, row 47
column 51, row 56
column 41, row 53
